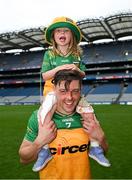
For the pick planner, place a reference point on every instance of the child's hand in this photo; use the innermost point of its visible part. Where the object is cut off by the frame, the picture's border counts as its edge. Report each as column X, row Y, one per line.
column 67, row 66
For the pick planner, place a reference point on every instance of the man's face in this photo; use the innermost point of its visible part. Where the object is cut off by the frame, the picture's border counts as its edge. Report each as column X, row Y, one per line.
column 67, row 99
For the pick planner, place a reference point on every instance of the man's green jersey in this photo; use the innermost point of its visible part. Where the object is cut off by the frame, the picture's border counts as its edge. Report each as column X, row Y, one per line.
column 62, row 122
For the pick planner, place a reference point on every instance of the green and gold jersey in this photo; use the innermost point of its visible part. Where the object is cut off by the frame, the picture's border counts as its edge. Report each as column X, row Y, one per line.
column 62, row 122
column 69, row 148
column 51, row 61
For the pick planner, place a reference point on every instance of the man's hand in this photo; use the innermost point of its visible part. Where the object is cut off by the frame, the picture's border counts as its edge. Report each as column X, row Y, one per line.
column 46, row 131
column 87, row 116
column 93, row 128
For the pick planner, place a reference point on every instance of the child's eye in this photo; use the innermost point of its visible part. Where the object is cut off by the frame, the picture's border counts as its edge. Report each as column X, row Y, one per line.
column 61, row 30
column 58, row 31
column 66, row 30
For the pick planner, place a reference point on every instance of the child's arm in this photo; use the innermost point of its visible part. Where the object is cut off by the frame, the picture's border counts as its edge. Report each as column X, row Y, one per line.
column 81, row 72
column 50, row 74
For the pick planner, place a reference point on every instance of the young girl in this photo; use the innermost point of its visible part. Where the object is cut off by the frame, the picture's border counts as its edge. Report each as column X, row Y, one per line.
column 64, row 36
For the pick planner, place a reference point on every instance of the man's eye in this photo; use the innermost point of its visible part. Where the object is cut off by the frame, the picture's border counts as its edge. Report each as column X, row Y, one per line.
column 63, row 91
column 76, row 92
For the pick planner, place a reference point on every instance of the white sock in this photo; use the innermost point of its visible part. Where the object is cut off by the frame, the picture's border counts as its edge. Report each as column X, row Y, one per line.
column 46, row 106
column 46, row 146
column 94, row 143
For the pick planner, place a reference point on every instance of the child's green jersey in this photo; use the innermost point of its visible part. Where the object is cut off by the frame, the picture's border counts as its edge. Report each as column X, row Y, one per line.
column 51, row 61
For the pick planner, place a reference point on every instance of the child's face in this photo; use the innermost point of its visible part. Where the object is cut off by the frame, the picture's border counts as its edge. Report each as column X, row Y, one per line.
column 62, row 36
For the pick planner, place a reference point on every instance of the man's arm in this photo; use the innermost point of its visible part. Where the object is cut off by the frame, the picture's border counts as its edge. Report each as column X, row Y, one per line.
column 47, row 132
column 28, row 151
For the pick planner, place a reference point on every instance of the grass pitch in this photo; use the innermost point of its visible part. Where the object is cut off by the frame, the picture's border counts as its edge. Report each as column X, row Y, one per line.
column 116, row 120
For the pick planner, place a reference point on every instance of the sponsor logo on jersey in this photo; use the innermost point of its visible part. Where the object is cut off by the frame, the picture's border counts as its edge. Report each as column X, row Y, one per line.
column 60, row 150
column 68, row 120
column 65, row 61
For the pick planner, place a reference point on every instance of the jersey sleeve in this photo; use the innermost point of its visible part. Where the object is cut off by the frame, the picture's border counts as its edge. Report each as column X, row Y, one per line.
column 46, row 65
column 32, row 127
column 82, row 66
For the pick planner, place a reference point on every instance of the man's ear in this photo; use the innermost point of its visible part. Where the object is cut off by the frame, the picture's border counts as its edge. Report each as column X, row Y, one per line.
column 54, row 88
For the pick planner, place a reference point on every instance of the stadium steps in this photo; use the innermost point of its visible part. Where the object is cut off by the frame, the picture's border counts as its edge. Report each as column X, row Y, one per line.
column 9, row 99
column 21, row 99
column 127, row 97
column 123, row 89
column 31, row 99
column 101, row 98
column 91, row 90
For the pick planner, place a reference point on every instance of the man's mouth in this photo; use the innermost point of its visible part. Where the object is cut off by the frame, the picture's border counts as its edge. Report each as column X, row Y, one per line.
column 69, row 104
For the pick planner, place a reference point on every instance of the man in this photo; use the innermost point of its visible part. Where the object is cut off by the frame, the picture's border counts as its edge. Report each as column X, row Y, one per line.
column 65, row 132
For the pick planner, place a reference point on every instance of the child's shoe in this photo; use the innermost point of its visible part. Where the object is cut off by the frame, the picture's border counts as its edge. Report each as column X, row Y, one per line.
column 44, row 156
column 97, row 154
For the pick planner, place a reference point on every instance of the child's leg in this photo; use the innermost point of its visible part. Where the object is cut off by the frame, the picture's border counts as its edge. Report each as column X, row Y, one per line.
column 44, row 155
column 96, row 152
column 46, row 106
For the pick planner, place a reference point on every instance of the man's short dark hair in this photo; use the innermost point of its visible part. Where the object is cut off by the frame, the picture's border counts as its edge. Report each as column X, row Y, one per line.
column 67, row 76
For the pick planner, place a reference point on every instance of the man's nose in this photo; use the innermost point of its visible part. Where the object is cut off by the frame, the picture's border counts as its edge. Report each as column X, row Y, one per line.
column 69, row 95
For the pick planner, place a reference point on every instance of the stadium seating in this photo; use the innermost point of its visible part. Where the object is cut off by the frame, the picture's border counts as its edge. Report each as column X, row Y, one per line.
column 20, row 95
column 108, row 66
column 21, row 61
column 104, row 93
column 107, row 52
